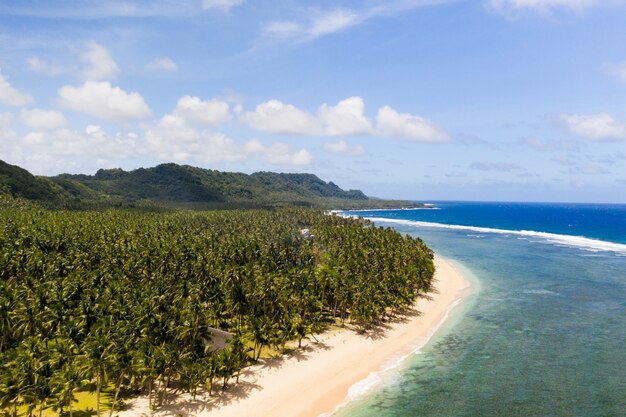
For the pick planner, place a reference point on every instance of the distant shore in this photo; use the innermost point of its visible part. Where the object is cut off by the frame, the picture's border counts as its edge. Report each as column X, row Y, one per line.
column 322, row 376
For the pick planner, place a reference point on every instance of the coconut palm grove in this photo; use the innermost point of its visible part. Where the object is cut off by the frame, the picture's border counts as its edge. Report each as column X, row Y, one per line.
column 127, row 302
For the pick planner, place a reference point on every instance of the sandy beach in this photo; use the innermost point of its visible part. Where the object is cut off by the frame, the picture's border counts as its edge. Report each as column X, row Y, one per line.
column 317, row 379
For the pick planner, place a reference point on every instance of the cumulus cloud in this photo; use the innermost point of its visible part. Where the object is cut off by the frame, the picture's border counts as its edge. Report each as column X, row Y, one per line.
column 618, row 70
column 101, row 99
column 11, row 96
column 541, row 5
column 210, row 112
column 44, row 67
column 276, row 117
column 100, row 63
column 169, row 139
column 224, row 5
column 343, row 148
column 346, row 118
column 597, row 127
column 92, row 142
column 42, row 119
column 278, row 153
column 162, row 64
column 173, row 138
column 407, row 126
column 187, row 144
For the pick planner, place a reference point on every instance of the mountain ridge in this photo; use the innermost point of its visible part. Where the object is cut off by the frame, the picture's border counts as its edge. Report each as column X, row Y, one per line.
column 173, row 185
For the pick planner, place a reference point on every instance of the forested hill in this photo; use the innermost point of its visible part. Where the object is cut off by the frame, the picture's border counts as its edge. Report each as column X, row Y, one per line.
column 175, row 185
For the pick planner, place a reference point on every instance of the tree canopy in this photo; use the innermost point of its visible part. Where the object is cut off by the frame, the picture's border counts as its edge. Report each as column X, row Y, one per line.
column 123, row 298
column 181, row 186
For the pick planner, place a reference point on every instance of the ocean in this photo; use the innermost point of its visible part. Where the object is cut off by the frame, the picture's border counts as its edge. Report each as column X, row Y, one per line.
column 543, row 332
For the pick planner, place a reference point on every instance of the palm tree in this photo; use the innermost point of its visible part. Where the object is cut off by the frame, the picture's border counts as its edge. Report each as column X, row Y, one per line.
column 226, row 365
column 66, row 381
column 95, row 355
column 10, row 389
column 120, row 362
column 209, row 364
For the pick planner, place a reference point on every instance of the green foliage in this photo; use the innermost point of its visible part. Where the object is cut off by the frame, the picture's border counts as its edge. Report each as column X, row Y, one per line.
column 169, row 186
column 129, row 299
column 18, row 182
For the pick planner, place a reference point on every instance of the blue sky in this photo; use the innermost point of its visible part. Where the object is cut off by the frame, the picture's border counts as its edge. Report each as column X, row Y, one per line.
column 520, row 100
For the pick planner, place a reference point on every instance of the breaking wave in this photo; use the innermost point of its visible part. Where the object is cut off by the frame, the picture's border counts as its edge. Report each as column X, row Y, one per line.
column 580, row 242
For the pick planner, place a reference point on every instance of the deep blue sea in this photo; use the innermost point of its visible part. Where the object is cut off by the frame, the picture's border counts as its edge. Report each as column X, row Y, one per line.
column 543, row 332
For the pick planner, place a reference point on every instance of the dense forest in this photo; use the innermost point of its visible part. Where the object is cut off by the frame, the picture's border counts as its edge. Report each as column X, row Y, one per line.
column 181, row 186
column 128, row 300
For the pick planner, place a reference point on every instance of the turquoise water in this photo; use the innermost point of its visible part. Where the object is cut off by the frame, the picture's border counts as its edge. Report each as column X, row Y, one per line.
column 545, row 334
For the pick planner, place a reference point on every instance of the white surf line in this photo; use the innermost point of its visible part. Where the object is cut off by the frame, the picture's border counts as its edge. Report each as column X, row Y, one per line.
column 580, row 242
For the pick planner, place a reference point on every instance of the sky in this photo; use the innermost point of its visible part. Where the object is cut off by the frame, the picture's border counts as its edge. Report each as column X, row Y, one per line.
column 492, row 100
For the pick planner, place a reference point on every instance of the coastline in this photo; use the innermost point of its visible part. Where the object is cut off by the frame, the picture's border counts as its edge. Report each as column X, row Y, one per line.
column 324, row 376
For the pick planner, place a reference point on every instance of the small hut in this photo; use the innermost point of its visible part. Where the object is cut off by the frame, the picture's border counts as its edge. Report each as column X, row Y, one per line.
column 219, row 339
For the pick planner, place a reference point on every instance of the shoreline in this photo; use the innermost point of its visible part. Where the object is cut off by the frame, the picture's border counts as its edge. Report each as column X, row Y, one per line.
column 323, row 377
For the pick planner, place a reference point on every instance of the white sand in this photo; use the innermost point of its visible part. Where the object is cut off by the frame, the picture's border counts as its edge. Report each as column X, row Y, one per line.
column 317, row 379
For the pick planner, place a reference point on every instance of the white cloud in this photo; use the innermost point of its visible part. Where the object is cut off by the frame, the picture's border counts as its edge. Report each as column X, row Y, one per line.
column 283, row 29
column 346, row 118
column 210, row 112
column 101, row 99
column 278, row 153
column 93, row 142
column 100, row 63
column 5, row 120
column 162, row 64
column 276, row 117
column 10, row 96
column 224, row 5
column 601, row 126
column 172, row 138
column 617, row 70
column 42, row 119
column 319, row 22
column 332, row 21
column 343, row 148
column 44, row 67
column 183, row 145
column 541, row 5
column 6, row 134
column 390, row 123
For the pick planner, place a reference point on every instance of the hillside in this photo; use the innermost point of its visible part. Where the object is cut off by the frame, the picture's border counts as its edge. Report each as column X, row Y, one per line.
column 172, row 185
